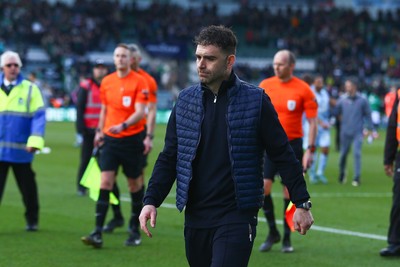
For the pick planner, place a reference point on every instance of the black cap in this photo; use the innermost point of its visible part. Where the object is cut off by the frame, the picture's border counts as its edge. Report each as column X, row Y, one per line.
column 99, row 62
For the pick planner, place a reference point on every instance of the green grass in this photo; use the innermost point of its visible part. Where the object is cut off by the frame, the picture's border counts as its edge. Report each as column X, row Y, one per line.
column 65, row 217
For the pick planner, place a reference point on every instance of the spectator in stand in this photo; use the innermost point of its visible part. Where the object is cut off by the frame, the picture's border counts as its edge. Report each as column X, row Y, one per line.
column 309, row 33
column 88, row 108
column 376, row 106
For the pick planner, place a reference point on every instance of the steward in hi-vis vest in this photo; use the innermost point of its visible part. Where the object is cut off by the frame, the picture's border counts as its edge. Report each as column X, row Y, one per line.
column 22, row 120
column 88, row 109
column 22, row 127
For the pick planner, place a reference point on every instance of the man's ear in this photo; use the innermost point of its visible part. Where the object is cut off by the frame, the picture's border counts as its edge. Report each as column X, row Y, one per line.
column 231, row 60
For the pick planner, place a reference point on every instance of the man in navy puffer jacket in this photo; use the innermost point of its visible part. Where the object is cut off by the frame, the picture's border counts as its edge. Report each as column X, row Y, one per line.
column 214, row 145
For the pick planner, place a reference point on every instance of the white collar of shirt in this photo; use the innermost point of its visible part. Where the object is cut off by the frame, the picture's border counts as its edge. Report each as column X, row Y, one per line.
column 7, row 82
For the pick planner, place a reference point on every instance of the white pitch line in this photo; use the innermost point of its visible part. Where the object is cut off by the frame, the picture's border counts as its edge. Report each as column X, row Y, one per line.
column 342, row 195
column 314, row 227
column 338, row 231
column 347, row 195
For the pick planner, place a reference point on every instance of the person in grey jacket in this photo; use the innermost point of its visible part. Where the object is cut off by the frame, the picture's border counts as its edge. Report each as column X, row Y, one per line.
column 214, row 146
column 354, row 113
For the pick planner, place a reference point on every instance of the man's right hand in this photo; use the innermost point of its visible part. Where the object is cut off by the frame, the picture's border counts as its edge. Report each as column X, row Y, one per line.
column 149, row 212
column 98, row 139
column 389, row 170
column 148, row 145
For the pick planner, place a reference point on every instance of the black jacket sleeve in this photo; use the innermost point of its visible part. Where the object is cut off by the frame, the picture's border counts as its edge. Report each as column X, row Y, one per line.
column 391, row 142
column 164, row 172
column 281, row 153
column 80, row 110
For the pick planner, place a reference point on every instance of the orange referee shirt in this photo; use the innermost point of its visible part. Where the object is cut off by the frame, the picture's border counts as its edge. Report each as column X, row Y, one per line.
column 152, row 89
column 152, row 85
column 120, row 95
column 290, row 100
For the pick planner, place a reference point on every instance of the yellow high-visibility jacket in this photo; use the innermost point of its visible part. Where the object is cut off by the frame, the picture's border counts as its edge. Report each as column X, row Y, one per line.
column 22, row 121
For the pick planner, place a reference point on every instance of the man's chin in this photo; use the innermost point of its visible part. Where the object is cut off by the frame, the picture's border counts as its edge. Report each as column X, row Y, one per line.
column 203, row 80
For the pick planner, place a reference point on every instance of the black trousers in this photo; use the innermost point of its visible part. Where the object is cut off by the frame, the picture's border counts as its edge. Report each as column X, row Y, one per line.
column 394, row 227
column 86, row 154
column 26, row 182
column 228, row 245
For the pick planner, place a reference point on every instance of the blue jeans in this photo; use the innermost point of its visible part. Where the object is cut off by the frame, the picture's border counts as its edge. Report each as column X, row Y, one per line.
column 345, row 144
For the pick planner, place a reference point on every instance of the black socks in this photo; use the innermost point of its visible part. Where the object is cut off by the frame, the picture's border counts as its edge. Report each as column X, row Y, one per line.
column 101, row 208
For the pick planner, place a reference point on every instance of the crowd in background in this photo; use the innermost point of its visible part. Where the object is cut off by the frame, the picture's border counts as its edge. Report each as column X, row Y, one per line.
column 343, row 42
column 61, row 29
column 340, row 39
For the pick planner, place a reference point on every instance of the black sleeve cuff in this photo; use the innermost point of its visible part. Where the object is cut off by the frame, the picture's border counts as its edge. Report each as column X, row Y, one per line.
column 150, row 201
column 299, row 202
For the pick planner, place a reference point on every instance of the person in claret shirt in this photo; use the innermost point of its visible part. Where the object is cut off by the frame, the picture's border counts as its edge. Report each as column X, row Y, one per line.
column 120, row 134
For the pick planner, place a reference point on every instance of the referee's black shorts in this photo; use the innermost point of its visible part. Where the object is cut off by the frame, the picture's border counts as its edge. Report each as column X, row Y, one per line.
column 270, row 169
column 126, row 152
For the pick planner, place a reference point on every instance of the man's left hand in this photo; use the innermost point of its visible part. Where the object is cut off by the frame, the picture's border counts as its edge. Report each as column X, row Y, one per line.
column 308, row 158
column 116, row 129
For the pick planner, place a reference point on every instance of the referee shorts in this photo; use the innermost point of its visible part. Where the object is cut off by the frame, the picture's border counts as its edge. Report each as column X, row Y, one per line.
column 270, row 169
column 126, row 152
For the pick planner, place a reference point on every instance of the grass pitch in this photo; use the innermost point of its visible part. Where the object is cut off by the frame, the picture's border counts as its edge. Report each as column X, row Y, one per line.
column 350, row 222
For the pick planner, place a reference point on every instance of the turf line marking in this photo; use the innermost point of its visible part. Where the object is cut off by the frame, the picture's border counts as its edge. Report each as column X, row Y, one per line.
column 337, row 231
column 341, row 195
column 314, row 227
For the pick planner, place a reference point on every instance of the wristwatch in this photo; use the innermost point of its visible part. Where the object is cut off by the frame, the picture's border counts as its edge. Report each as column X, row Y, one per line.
column 306, row 205
column 312, row 148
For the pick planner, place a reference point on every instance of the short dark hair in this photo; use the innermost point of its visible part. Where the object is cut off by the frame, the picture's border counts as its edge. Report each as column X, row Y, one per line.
column 308, row 78
column 219, row 36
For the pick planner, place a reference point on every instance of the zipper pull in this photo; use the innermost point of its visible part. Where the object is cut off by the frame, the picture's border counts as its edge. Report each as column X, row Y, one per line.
column 215, row 98
column 250, row 233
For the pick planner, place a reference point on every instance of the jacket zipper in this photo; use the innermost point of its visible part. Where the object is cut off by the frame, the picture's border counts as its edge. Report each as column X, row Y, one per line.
column 250, row 233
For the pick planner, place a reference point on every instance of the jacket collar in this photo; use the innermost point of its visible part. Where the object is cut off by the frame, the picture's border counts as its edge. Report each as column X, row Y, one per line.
column 233, row 84
column 19, row 79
